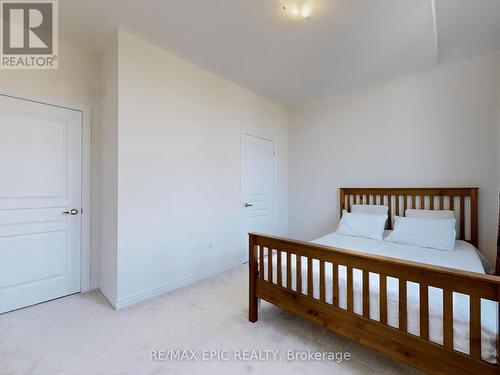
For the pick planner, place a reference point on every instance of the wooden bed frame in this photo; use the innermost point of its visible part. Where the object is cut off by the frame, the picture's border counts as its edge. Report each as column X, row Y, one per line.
column 417, row 351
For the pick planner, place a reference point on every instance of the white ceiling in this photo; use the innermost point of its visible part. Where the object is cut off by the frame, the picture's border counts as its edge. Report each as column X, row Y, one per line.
column 344, row 45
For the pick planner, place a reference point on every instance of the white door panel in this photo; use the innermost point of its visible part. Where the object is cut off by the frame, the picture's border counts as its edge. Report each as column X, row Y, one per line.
column 258, row 188
column 40, row 178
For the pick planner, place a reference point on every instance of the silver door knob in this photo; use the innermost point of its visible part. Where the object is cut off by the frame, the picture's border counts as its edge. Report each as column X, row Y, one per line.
column 73, row 211
column 248, row 205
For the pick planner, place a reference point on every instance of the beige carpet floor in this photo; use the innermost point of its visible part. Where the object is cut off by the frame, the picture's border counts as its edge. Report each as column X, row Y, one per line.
column 82, row 334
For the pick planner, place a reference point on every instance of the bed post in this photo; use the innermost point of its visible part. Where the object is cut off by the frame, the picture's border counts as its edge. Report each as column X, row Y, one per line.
column 498, row 330
column 252, row 276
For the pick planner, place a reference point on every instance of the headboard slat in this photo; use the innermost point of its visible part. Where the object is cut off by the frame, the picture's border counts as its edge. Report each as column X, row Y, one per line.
column 467, row 195
column 389, row 203
column 462, row 218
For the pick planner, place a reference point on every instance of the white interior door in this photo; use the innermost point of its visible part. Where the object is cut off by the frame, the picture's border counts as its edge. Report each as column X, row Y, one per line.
column 258, row 188
column 40, row 182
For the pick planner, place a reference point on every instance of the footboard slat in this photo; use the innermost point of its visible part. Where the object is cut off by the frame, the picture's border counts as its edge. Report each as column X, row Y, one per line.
column 270, row 264
column 475, row 327
column 366, row 294
column 261, row 262
column 279, row 271
column 448, row 319
column 335, row 284
column 298, row 276
column 415, row 348
column 424, row 311
column 322, row 292
column 383, row 298
column 310, row 290
column 350, row 294
column 403, row 312
column 289, row 270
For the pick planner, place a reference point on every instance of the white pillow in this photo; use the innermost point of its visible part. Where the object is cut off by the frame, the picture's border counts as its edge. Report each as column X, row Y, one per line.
column 362, row 225
column 435, row 214
column 424, row 232
column 374, row 209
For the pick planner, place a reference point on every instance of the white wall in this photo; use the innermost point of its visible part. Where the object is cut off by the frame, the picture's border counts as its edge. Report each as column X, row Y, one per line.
column 74, row 81
column 431, row 129
column 497, row 104
column 108, row 178
column 179, row 168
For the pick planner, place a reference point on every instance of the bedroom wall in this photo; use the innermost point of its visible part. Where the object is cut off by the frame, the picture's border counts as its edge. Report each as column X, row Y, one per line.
column 108, row 178
column 179, row 134
column 431, row 129
column 74, row 81
column 497, row 64
column 497, row 81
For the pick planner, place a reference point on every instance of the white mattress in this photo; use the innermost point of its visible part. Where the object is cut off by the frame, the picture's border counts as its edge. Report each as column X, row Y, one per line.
column 464, row 257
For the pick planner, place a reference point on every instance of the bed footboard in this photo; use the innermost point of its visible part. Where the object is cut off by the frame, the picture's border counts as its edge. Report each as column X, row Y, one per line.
column 419, row 351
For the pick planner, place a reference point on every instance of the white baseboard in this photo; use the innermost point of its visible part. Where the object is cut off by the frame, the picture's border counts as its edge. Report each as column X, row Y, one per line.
column 107, row 294
column 156, row 291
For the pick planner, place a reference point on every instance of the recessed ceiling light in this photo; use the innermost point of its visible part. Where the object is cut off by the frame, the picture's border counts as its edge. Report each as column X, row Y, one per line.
column 298, row 9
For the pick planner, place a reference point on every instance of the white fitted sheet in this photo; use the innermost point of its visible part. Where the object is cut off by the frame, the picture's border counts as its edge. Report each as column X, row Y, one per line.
column 463, row 257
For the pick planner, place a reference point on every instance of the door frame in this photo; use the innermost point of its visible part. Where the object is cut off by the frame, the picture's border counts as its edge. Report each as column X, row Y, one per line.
column 86, row 162
column 275, row 193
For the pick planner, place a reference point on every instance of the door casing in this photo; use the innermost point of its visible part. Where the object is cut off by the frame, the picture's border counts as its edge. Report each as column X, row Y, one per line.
column 243, row 254
column 85, row 284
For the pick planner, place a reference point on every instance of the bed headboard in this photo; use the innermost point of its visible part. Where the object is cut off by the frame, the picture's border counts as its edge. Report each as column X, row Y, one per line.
column 463, row 201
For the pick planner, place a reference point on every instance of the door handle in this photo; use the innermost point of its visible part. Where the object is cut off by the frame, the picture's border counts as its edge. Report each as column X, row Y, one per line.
column 73, row 212
column 248, row 205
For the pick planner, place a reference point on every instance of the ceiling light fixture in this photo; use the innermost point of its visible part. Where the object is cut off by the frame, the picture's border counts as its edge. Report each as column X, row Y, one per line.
column 298, row 9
